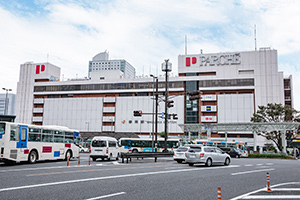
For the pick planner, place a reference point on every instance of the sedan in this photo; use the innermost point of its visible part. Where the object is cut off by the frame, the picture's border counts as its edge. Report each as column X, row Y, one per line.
column 206, row 155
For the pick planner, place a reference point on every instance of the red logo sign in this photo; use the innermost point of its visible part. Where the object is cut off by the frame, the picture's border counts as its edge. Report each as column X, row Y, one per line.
column 39, row 68
column 188, row 61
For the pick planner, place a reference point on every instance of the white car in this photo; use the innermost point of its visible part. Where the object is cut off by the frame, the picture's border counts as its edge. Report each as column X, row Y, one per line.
column 179, row 154
column 207, row 155
column 83, row 149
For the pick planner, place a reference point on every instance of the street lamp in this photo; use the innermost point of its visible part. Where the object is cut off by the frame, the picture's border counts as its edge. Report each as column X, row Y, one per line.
column 5, row 108
column 154, row 77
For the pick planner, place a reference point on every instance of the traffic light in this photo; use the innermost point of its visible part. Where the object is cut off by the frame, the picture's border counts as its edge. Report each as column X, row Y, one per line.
column 170, row 103
column 194, row 95
column 137, row 113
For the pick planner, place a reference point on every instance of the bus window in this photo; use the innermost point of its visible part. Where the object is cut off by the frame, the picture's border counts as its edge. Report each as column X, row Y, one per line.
column 58, row 138
column 68, row 139
column 34, row 137
column 2, row 128
column 14, row 133
column 47, row 138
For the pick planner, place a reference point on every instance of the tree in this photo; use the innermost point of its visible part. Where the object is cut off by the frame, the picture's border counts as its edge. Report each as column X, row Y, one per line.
column 276, row 113
column 162, row 134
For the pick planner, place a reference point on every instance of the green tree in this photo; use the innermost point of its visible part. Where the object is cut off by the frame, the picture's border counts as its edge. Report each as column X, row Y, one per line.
column 162, row 134
column 276, row 113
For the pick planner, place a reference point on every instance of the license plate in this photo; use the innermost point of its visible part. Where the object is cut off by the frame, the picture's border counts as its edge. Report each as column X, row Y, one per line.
column 98, row 149
column 180, row 154
column 192, row 156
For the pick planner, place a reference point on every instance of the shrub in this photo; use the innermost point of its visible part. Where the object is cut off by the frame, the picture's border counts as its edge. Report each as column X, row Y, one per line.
column 256, row 155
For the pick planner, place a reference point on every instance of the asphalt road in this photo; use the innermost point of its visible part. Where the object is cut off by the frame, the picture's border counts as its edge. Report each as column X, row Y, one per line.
column 143, row 179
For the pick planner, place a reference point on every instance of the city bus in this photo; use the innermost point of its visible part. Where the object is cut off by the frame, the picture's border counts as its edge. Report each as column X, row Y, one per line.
column 240, row 146
column 21, row 142
column 135, row 145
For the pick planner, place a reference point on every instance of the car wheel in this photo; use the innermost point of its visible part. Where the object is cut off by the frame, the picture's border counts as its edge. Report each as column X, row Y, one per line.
column 227, row 161
column 117, row 158
column 179, row 161
column 237, row 156
column 32, row 158
column 191, row 164
column 208, row 162
column 134, row 151
column 94, row 159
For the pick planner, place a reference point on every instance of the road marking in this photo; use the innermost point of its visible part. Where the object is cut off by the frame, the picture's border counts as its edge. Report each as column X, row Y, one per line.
column 269, row 163
column 272, row 197
column 105, row 196
column 259, row 164
column 253, row 171
column 263, row 189
column 113, row 177
column 286, row 189
column 248, row 165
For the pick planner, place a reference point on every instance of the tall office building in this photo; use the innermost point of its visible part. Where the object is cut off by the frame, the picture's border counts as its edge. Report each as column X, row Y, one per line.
column 7, row 103
column 101, row 67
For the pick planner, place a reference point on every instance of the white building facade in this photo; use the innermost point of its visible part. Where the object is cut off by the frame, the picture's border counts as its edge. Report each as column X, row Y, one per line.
column 233, row 85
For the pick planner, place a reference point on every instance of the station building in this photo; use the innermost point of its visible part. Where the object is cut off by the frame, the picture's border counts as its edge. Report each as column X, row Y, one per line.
column 232, row 85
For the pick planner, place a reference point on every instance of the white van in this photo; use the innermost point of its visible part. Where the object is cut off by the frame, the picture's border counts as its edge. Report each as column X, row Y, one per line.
column 104, row 147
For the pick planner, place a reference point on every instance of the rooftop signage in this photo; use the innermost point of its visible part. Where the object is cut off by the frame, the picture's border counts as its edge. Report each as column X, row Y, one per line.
column 214, row 60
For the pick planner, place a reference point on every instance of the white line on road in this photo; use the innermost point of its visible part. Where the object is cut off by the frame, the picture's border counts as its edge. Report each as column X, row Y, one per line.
column 273, row 197
column 253, row 171
column 269, row 163
column 259, row 164
column 113, row 177
column 105, row 196
column 262, row 189
column 248, row 165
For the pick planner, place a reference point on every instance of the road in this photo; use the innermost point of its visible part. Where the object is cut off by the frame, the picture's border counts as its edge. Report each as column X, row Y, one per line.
column 144, row 179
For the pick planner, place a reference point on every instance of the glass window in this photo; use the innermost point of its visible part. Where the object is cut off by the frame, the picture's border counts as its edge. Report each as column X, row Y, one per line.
column 34, row 130
column 58, row 138
column 58, row 132
column 23, row 134
column 48, row 131
column 14, row 133
column 98, row 143
column 69, row 133
column 68, row 139
column 47, row 138
column 182, row 149
column 196, row 149
column 2, row 128
column 112, row 144
column 33, row 137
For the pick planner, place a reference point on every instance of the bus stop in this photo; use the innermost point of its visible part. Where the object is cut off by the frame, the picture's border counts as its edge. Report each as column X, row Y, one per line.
column 252, row 127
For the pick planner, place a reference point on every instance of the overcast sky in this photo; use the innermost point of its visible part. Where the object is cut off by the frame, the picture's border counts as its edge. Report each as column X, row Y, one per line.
column 143, row 32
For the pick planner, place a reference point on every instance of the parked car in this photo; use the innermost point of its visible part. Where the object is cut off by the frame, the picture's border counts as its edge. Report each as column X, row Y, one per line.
column 207, row 155
column 179, row 154
column 83, row 149
column 105, row 147
column 234, row 153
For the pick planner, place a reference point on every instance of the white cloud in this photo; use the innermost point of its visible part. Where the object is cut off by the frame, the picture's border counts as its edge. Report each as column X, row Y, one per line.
column 142, row 32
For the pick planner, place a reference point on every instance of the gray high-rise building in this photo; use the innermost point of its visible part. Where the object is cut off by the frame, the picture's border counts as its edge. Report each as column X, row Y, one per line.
column 10, row 104
column 101, row 67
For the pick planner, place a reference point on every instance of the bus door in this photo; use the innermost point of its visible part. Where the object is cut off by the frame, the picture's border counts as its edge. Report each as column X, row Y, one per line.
column 128, row 144
column 22, row 143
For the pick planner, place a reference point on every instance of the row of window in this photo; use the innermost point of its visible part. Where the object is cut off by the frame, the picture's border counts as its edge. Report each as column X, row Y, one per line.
column 148, row 144
column 41, row 135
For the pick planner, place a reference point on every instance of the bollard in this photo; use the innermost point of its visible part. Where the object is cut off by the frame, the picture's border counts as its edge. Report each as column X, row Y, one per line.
column 89, row 160
column 219, row 193
column 268, row 183
column 68, row 164
column 78, row 161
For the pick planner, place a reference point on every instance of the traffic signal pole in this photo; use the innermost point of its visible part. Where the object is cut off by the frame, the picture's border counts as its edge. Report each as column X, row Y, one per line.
column 166, row 105
column 156, row 113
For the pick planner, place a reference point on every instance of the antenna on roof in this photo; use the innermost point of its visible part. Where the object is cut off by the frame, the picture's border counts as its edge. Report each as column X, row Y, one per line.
column 185, row 45
column 255, row 35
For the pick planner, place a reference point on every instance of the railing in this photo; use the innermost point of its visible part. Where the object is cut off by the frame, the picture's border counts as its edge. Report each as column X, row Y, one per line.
column 142, row 155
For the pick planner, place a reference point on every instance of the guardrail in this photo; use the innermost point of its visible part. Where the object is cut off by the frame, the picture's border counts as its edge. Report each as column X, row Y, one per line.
column 142, row 155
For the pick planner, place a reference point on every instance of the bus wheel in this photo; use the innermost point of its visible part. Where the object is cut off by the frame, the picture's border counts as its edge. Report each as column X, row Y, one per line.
column 134, row 151
column 68, row 154
column 32, row 158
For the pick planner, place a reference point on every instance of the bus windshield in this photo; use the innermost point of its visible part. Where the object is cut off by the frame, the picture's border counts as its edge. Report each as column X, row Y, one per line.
column 2, row 128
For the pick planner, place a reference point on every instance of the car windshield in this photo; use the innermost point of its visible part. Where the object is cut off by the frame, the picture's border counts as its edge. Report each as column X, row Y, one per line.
column 98, row 143
column 182, row 149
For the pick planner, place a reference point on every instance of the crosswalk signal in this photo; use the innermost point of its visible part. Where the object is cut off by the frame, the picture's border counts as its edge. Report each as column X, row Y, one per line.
column 137, row 113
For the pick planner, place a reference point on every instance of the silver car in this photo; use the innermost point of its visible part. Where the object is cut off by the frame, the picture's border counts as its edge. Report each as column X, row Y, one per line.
column 207, row 155
column 179, row 154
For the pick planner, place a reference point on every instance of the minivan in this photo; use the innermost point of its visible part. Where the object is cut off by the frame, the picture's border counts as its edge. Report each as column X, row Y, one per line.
column 104, row 148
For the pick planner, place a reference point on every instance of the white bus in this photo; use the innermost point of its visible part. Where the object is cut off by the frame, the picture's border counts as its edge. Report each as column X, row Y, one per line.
column 135, row 145
column 21, row 142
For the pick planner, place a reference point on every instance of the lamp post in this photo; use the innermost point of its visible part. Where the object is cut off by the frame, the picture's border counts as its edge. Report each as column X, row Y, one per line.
column 5, row 107
column 154, row 77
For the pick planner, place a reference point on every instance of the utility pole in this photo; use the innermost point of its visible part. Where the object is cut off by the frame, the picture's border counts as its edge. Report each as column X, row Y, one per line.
column 166, row 68
column 156, row 112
